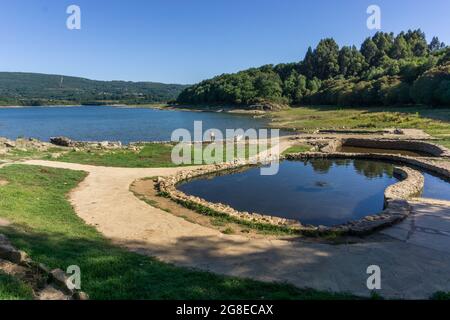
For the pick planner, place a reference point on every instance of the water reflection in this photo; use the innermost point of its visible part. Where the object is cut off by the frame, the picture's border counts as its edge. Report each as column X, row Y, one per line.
column 370, row 169
column 318, row 192
column 349, row 149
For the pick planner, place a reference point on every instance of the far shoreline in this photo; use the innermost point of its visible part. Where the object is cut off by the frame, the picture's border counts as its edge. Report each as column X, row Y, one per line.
column 158, row 106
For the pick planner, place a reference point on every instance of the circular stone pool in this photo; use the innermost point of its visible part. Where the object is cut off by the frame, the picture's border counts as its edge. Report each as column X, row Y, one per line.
column 318, row 191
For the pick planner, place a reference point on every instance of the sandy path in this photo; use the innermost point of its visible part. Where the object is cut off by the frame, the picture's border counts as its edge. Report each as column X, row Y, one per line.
column 409, row 269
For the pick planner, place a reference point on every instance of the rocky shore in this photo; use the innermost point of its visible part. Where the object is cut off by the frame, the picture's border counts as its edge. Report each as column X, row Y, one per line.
column 22, row 144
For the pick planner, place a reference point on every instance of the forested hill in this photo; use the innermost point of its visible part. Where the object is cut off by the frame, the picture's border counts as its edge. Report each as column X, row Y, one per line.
column 41, row 89
column 387, row 70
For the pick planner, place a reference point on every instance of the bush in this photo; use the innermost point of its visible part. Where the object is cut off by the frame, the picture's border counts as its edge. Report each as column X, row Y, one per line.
column 433, row 87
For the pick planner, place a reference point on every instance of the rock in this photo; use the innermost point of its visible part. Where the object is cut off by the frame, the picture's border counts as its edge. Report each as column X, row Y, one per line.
column 8, row 252
column 9, row 144
column 23, row 258
column 80, row 295
column 60, row 279
column 50, row 293
column 62, row 141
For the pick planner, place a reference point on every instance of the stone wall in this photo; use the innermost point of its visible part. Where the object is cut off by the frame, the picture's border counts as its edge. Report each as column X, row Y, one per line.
column 167, row 185
column 396, row 195
column 409, row 145
column 396, row 206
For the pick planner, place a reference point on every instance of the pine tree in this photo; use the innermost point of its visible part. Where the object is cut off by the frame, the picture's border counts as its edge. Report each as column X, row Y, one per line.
column 308, row 63
column 326, row 56
column 436, row 45
column 400, row 50
column 369, row 50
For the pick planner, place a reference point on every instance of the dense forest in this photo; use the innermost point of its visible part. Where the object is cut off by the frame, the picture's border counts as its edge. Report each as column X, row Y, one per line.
column 386, row 70
column 43, row 89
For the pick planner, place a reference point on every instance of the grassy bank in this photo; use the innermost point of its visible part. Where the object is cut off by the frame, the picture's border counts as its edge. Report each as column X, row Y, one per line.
column 46, row 227
column 14, row 289
column 150, row 156
column 436, row 121
column 298, row 148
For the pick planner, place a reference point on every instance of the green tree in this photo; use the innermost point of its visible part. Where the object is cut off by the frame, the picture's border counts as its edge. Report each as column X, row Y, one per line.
column 400, row 49
column 387, row 70
column 436, row 45
column 417, row 42
column 384, row 42
column 325, row 59
column 308, row 63
column 369, row 50
column 433, row 87
column 351, row 62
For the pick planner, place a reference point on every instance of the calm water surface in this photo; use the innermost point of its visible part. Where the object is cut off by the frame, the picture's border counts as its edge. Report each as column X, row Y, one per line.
column 435, row 187
column 97, row 123
column 319, row 192
column 387, row 151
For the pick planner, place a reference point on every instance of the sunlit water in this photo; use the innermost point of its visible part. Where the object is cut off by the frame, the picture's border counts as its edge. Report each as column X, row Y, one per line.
column 318, row 192
column 435, row 187
column 97, row 123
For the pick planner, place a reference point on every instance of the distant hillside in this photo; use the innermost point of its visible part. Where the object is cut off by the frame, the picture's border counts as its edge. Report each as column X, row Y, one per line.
column 387, row 70
column 17, row 88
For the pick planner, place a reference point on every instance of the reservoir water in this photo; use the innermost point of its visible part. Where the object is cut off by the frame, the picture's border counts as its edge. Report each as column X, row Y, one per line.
column 98, row 123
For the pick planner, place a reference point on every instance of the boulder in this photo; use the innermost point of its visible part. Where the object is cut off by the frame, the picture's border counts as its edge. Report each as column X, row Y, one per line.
column 8, row 252
column 62, row 141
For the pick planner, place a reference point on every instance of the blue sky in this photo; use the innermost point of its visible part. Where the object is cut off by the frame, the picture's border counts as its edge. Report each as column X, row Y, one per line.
column 185, row 41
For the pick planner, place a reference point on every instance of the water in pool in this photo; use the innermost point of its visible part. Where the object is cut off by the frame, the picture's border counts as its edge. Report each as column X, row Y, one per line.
column 98, row 123
column 386, row 151
column 435, row 187
column 318, row 192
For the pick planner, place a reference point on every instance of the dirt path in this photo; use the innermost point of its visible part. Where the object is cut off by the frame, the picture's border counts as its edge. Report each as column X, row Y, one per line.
column 409, row 268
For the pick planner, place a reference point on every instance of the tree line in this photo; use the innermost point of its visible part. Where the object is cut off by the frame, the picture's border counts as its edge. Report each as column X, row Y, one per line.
column 28, row 89
column 386, row 70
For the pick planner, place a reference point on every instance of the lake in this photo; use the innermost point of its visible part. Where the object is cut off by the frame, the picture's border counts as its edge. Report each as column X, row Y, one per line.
column 99, row 123
column 318, row 192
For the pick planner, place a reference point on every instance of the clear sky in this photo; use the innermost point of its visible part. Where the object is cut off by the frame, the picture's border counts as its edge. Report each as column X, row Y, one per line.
column 185, row 41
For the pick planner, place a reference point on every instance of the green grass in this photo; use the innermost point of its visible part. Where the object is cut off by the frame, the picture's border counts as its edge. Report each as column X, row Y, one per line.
column 220, row 218
column 14, row 289
column 46, row 227
column 444, row 142
column 297, row 149
column 436, row 122
column 17, row 154
column 150, row 156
